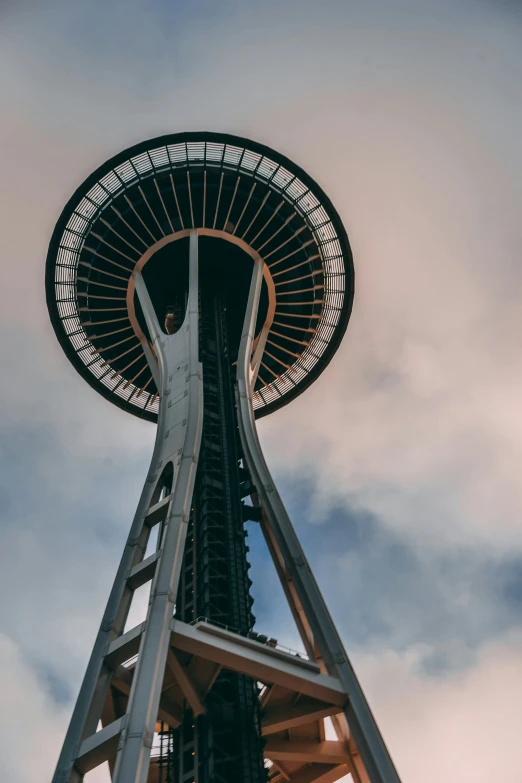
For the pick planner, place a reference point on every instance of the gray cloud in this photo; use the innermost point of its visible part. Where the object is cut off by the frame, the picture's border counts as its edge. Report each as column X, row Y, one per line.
column 400, row 465
column 386, row 592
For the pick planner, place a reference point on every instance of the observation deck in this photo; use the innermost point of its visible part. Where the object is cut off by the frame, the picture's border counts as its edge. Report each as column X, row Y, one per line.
column 247, row 202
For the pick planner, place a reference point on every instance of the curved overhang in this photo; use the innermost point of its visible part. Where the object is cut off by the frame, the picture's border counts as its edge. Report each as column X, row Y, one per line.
column 227, row 188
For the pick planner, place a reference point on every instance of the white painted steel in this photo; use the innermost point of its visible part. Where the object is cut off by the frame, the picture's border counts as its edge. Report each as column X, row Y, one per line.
column 379, row 767
column 256, row 660
column 181, row 418
column 178, row 439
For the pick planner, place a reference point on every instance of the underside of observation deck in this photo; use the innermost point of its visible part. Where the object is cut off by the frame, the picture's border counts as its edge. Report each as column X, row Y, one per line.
column 247, row 201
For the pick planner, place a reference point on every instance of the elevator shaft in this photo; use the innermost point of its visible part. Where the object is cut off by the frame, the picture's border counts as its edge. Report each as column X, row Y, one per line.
column 224, row 745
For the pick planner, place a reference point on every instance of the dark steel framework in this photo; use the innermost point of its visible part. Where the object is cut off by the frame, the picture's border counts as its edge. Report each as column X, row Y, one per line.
column 225, row 743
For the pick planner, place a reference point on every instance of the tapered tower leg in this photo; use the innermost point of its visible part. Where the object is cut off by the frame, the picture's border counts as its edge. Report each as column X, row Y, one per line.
column 315, row 623
column 168, row 489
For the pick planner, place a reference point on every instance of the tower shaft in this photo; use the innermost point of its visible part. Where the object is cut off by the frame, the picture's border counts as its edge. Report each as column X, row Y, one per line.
column 224, row 744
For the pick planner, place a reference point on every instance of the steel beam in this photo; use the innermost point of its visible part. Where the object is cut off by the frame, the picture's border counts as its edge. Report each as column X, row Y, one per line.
column 257, row 660
column 320, row 773
column 188, row 688
column 100, row 747
column 275, row 719
column 327, row 752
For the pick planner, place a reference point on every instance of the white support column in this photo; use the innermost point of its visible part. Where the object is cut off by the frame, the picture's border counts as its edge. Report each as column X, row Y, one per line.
column 181, row 417
column 373, row 752
column 89, row 704
column 178, row 374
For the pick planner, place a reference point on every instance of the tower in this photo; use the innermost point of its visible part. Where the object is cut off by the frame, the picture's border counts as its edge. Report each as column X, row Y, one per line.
column 202, row 281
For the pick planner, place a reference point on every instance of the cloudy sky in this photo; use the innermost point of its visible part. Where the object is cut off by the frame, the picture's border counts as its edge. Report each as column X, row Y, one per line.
column 401, row 466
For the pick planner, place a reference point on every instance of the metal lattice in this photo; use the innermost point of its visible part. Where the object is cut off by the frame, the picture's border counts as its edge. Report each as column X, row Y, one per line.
column 224, row 745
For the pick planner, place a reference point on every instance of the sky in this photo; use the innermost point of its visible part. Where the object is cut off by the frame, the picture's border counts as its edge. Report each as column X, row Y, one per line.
column 400, row 465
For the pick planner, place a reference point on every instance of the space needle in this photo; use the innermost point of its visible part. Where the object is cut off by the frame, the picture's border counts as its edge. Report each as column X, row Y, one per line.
column 202, row 281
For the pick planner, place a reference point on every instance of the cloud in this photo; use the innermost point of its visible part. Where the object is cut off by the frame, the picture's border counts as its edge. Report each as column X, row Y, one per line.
column 385, row 592
column 462, row 728
column 425, row 386
column 36, row 724
column 400, row 465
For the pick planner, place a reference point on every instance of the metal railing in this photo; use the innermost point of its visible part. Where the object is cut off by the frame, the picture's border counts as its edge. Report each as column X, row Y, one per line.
column 256, row 637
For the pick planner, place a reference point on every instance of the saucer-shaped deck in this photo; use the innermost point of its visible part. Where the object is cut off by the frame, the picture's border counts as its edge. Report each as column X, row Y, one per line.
column 136, row 211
